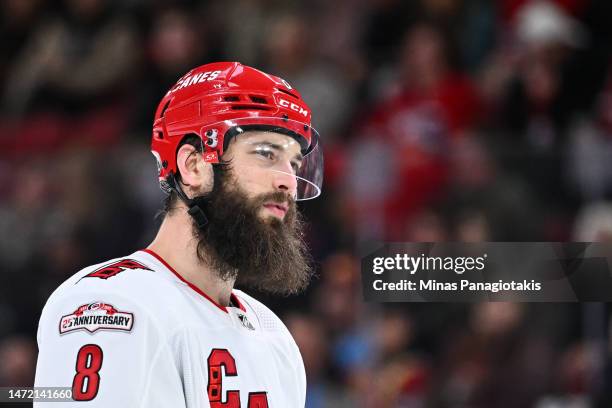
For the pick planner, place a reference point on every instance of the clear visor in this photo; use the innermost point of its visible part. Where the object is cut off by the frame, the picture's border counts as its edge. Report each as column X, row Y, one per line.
column 274, row 151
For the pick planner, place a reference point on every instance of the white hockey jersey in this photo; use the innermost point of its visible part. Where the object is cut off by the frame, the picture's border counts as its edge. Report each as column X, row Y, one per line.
column 132, row 332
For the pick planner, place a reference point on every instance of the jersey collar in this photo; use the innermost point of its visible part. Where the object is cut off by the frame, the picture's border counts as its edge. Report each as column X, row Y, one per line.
column 233, row 298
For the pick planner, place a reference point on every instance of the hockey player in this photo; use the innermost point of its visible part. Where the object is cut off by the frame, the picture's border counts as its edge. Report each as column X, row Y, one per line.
column 164, row 326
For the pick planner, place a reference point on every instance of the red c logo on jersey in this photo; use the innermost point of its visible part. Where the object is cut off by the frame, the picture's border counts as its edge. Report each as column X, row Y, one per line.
column 216, row 359
column 222, row 357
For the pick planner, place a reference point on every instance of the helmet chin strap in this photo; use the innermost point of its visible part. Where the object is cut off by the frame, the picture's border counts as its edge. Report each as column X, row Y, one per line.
column 193, row 205
column 198, row 214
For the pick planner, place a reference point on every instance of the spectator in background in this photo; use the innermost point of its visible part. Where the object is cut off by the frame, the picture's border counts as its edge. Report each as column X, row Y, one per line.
column 536, row 107
column 174, row 44
column 77, row 59
column 336, row 302
column 246, row 42
column 18, row 356
column 486, row 202
column 17, row 362
column 74, row 71
column 497, row 341
column 594, row 223
column 590, row 148
column 406, row 138
column 290, row 52
column 427, row 226
column 399, row 377
column 17, row 19
column 312, row 339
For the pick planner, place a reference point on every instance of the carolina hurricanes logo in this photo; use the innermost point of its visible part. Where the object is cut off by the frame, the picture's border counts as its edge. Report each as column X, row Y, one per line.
column 115, row 268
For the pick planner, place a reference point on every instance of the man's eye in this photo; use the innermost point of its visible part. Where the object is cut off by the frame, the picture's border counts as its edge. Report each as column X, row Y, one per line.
column 296, row 166
column 266, row 153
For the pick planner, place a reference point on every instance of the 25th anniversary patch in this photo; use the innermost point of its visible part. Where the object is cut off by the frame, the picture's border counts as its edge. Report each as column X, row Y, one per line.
column 96, row 316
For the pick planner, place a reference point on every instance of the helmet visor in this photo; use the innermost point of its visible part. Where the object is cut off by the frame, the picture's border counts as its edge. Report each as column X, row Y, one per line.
column 287, row 151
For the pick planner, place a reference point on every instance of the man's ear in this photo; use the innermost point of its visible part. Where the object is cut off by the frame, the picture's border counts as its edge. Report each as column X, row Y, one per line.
column 196, row 174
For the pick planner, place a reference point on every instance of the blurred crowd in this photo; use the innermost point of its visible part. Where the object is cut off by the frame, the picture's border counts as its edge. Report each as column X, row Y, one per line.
column 442, row 120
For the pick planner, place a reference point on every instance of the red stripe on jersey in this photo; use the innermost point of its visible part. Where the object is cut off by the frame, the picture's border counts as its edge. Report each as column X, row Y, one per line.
column 233, row 298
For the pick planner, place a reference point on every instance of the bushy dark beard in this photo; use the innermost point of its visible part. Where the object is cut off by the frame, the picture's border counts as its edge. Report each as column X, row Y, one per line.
column 269, row 255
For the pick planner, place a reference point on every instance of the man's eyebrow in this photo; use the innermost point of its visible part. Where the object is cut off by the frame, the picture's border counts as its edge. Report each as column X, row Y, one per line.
column 270, row 145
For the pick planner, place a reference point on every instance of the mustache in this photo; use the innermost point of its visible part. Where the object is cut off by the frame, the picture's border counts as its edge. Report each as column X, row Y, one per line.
column 276, row 197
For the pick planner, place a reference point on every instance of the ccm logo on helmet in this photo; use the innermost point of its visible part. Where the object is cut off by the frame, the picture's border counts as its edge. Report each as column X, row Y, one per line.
column 195, row 79
column 293, row 106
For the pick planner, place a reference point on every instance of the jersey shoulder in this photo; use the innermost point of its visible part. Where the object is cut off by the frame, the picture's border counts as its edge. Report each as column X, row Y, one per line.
column 134, row 275
column 134, row 281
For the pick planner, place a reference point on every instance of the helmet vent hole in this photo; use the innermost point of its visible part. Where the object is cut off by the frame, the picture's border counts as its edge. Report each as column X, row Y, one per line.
column 159, row 135
column 258, row 99
column 232, row 98
column 250, row 107
column 288, row 93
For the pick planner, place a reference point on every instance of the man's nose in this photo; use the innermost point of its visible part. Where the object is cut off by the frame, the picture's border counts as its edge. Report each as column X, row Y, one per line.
column 285, row 180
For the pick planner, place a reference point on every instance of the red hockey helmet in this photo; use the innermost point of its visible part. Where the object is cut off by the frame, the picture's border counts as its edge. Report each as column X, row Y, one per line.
column 221, row 100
